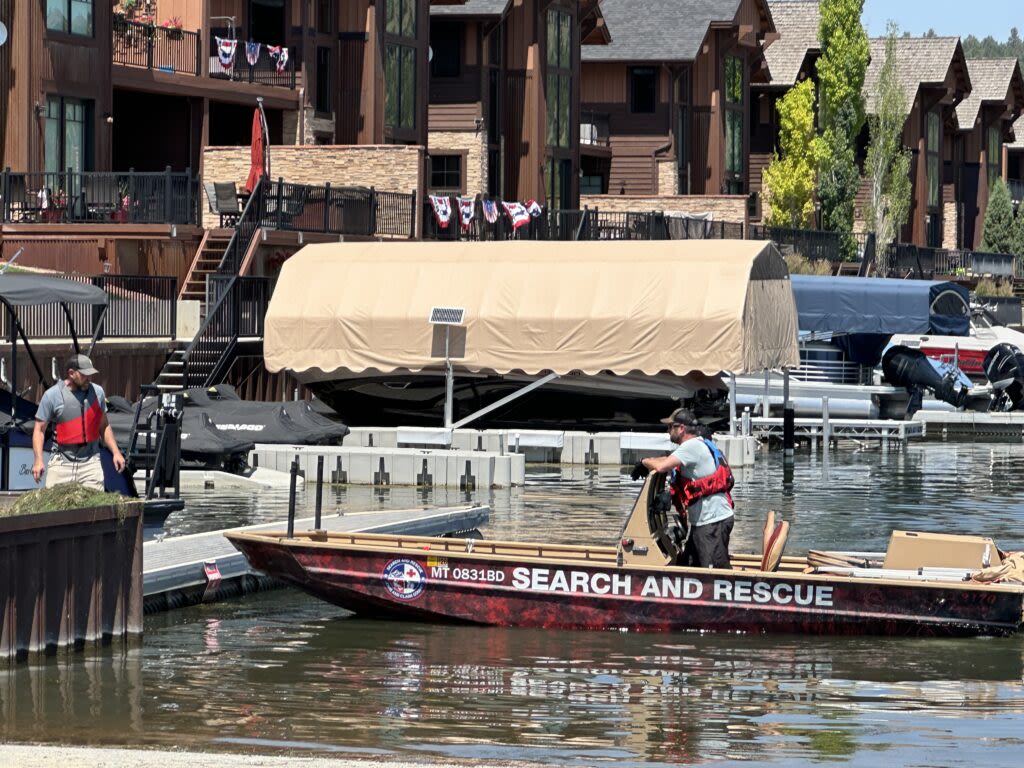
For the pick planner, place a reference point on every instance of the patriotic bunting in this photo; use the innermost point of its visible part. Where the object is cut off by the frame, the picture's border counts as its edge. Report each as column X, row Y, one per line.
column 280, row 55
column 442, row 210
column 533, row 208
column 490, row 211
column 226, row 52
column 517, row 214
column 252, row 53
column 466, row 209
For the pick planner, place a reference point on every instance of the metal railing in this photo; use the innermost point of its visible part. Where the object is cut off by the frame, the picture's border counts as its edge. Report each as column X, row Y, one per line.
column 139, row 306
column 92, row 197
column 264, row 72
column 594, row 129
column 338, row 210
column 250, row 302
column 151, row 46
column 908, row 260
column 565, row 224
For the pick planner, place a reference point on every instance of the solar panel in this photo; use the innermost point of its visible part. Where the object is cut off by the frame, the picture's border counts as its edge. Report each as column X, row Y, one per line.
column 446, row 315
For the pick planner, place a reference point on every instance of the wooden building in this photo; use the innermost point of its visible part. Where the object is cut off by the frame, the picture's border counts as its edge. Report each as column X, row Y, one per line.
column 667, row 103
column 1013, row 153
column 985, row 123
column 504, row 97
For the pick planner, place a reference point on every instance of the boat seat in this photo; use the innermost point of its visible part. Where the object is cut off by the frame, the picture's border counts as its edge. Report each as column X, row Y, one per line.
column 773, row 542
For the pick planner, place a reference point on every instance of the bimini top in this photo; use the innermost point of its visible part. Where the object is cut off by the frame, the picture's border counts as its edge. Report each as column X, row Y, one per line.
column 622, row 307
column 881, row 305
column 29, row 290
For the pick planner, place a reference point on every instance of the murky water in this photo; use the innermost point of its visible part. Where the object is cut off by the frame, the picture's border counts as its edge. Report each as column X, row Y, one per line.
column 281, row 670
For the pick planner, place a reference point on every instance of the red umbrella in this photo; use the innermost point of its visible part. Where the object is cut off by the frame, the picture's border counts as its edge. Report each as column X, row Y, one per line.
column 256, row 153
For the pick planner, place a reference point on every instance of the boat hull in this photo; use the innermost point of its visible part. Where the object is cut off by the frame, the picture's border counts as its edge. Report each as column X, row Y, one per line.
column 532, row 593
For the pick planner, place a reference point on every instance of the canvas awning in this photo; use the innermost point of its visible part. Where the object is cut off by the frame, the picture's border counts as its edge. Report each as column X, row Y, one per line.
column 28, row 290
column 561, row 307
column 879, row 305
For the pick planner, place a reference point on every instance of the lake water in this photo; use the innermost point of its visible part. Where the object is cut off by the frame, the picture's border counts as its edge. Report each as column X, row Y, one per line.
column 279, row 670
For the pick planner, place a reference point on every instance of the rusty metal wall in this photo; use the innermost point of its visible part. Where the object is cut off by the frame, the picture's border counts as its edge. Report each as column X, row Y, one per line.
column 69, row 580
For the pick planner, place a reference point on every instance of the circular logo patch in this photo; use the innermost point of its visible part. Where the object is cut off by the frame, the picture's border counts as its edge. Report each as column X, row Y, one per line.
column 404, row 579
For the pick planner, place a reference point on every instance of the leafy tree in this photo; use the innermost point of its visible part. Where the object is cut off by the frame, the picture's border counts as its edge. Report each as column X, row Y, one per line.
column 789, row 180
column 998, row 235
column 888, row 161
column 1018, row 229
column 841, row 68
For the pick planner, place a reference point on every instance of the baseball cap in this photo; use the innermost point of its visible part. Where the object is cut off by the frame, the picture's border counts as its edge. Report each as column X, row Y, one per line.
column 682, row 416
column 82, row 364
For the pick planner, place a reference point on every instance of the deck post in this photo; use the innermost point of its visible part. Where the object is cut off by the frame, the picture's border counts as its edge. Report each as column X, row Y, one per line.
column 826, row 429
column 765, row 407
column 745, row 429
column 291, row 497
column 788, row 420
column 732, row 405
column 319, row 491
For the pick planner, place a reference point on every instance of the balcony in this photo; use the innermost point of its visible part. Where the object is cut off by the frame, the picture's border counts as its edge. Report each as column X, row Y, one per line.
column 71, row 197
column 1016, row 190
column 267, row 70
column 594, row 130
column 150, row 46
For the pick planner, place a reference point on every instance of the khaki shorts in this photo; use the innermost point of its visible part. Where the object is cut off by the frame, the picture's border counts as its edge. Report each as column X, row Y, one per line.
column 89, row 472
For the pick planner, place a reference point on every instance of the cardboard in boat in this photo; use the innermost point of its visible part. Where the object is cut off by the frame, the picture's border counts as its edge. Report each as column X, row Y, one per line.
column 634, row 584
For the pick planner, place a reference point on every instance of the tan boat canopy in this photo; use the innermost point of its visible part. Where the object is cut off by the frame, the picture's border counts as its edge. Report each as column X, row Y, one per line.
column 623, row 307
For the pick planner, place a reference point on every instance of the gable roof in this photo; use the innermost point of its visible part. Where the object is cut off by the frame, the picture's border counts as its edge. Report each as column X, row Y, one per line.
column 796, row 22
column 1018, row 132
column 471, row 8
column 920, row 61
column 993, row 81
column 658, row 30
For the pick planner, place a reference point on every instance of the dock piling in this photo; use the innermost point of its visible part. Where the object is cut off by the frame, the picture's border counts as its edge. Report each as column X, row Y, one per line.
column 732, row 405
column 826, row 430
column 291, row 497
column 319, row 491
column 745, row 426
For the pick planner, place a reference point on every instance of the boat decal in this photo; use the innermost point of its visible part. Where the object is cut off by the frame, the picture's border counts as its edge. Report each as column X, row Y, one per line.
column 405, row 579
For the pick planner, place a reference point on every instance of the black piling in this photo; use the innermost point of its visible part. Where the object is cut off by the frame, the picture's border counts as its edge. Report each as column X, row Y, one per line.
column 319, row 491
column 291, row 497
column 788, row 430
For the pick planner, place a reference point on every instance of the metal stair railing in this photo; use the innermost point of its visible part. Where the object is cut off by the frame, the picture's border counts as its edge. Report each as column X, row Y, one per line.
column 210, row 354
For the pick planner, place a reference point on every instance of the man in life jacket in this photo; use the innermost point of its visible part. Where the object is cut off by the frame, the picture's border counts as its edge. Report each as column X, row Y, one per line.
column 78, row 408
column 700, row 481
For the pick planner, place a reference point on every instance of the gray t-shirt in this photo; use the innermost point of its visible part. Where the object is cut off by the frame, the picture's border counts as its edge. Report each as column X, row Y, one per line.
column 697, row 462
column 51, row 408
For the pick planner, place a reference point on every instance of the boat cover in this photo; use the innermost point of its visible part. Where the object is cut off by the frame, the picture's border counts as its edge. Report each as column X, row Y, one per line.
column 27, row 290
column 565, row 307
column 878, row 305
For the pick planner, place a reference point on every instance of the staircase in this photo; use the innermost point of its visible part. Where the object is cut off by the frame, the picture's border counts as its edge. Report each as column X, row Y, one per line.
column 208, row 259
column 172, row 376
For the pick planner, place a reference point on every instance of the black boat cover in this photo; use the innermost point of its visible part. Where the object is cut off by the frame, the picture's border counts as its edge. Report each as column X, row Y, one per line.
column 877, row 305
column 28, row 290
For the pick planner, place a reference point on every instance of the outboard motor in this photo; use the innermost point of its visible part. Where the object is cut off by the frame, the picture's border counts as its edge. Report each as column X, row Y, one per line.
column 1004, row 367
column 911, row 368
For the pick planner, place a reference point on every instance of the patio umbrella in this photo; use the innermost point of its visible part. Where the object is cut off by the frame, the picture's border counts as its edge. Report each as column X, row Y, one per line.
column 256, row 152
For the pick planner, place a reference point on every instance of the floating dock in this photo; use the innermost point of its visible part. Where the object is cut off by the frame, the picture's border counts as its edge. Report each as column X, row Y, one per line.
column 970, row 425
column 887, row 431
column 205, row 567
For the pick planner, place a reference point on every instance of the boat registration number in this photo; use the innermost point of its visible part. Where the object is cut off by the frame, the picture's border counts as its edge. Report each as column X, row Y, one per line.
column 470, row 574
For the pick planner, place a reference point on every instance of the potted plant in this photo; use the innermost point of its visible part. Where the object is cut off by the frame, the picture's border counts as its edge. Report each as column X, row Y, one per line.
column 173, row 28
column 128, row 8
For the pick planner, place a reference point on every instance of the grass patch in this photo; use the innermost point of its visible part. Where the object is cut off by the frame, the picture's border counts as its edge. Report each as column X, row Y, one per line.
column 800, row 265
column 65, row 496
column 989, row 287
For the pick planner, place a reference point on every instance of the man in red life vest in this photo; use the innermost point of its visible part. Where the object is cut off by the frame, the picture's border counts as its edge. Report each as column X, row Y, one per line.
column 79, row 410
column 700, row 481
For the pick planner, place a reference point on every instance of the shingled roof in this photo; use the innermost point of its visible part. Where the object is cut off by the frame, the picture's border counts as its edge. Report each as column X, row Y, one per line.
column 992, row 81
column 1018, row 131
column 471, row 8
column 919, row 61
column 796, row 22
column 658, row 30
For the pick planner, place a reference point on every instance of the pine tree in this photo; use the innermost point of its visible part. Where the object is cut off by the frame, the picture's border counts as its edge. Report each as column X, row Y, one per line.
column 999, row 235
column 1018, row 229
column 888, row 161
column 789, row 180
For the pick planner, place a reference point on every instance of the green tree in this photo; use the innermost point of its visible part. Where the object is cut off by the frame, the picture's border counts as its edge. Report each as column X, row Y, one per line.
column 888, row 161
column 1018, row 229
column 841, row 68
column 998, row 234
column 789, row 180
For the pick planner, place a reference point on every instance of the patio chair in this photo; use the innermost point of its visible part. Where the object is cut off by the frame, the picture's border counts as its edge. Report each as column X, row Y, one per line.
column 223, row 201
column 292, row 206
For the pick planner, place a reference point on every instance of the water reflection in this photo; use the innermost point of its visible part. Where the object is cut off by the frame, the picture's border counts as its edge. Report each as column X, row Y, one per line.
column 283, row 669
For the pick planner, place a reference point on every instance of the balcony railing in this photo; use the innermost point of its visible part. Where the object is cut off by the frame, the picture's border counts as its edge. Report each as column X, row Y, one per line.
column 587, row 224
column 93, row 197
column 139, row 306
column 1016, row 190
column 338, row 210
column 594, row 129
column 908, row 260
column 166, row 49
column 264, row 72
column 817, row 245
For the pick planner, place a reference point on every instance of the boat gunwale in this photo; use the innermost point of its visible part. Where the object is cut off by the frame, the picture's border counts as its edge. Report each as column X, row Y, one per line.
column 317, row 541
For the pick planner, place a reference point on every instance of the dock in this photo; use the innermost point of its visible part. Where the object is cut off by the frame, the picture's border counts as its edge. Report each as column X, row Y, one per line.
column 886, row 431
column 970, row 425
column 205, row 567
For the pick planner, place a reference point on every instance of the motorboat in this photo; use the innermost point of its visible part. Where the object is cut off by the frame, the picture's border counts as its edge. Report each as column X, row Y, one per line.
column 924, row 584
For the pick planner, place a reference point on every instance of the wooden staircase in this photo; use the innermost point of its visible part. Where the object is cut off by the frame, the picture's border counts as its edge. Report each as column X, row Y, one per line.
column 208, row 258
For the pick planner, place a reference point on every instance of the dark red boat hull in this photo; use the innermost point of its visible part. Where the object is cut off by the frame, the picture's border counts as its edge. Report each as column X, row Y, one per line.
column 499, row 592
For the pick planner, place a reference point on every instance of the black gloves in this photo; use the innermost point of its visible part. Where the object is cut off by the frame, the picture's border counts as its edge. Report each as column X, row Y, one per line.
column 639, row 470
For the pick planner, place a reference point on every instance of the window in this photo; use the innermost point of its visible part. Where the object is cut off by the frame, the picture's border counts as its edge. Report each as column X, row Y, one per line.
column 64, row 135
column 682, row 137
column 593, row 180
column 643, row 89
column 323, row 16
column 994, row 155
column 559, row 177
column 446, row 48
column 559, row 78
column 72, row 16
column 400, row 93
column 401, row 18
column 446, row 173
column 735, row 114
column 324, row 99
column 933, row 127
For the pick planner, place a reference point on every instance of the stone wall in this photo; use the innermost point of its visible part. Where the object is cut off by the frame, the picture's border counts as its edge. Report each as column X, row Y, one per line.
column 388, row 168
column 474, row 145
column 949, row 226
column 730, row 208
column 668, row 179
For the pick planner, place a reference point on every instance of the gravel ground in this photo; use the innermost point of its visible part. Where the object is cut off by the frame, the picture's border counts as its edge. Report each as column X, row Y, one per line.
column 26, row 756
